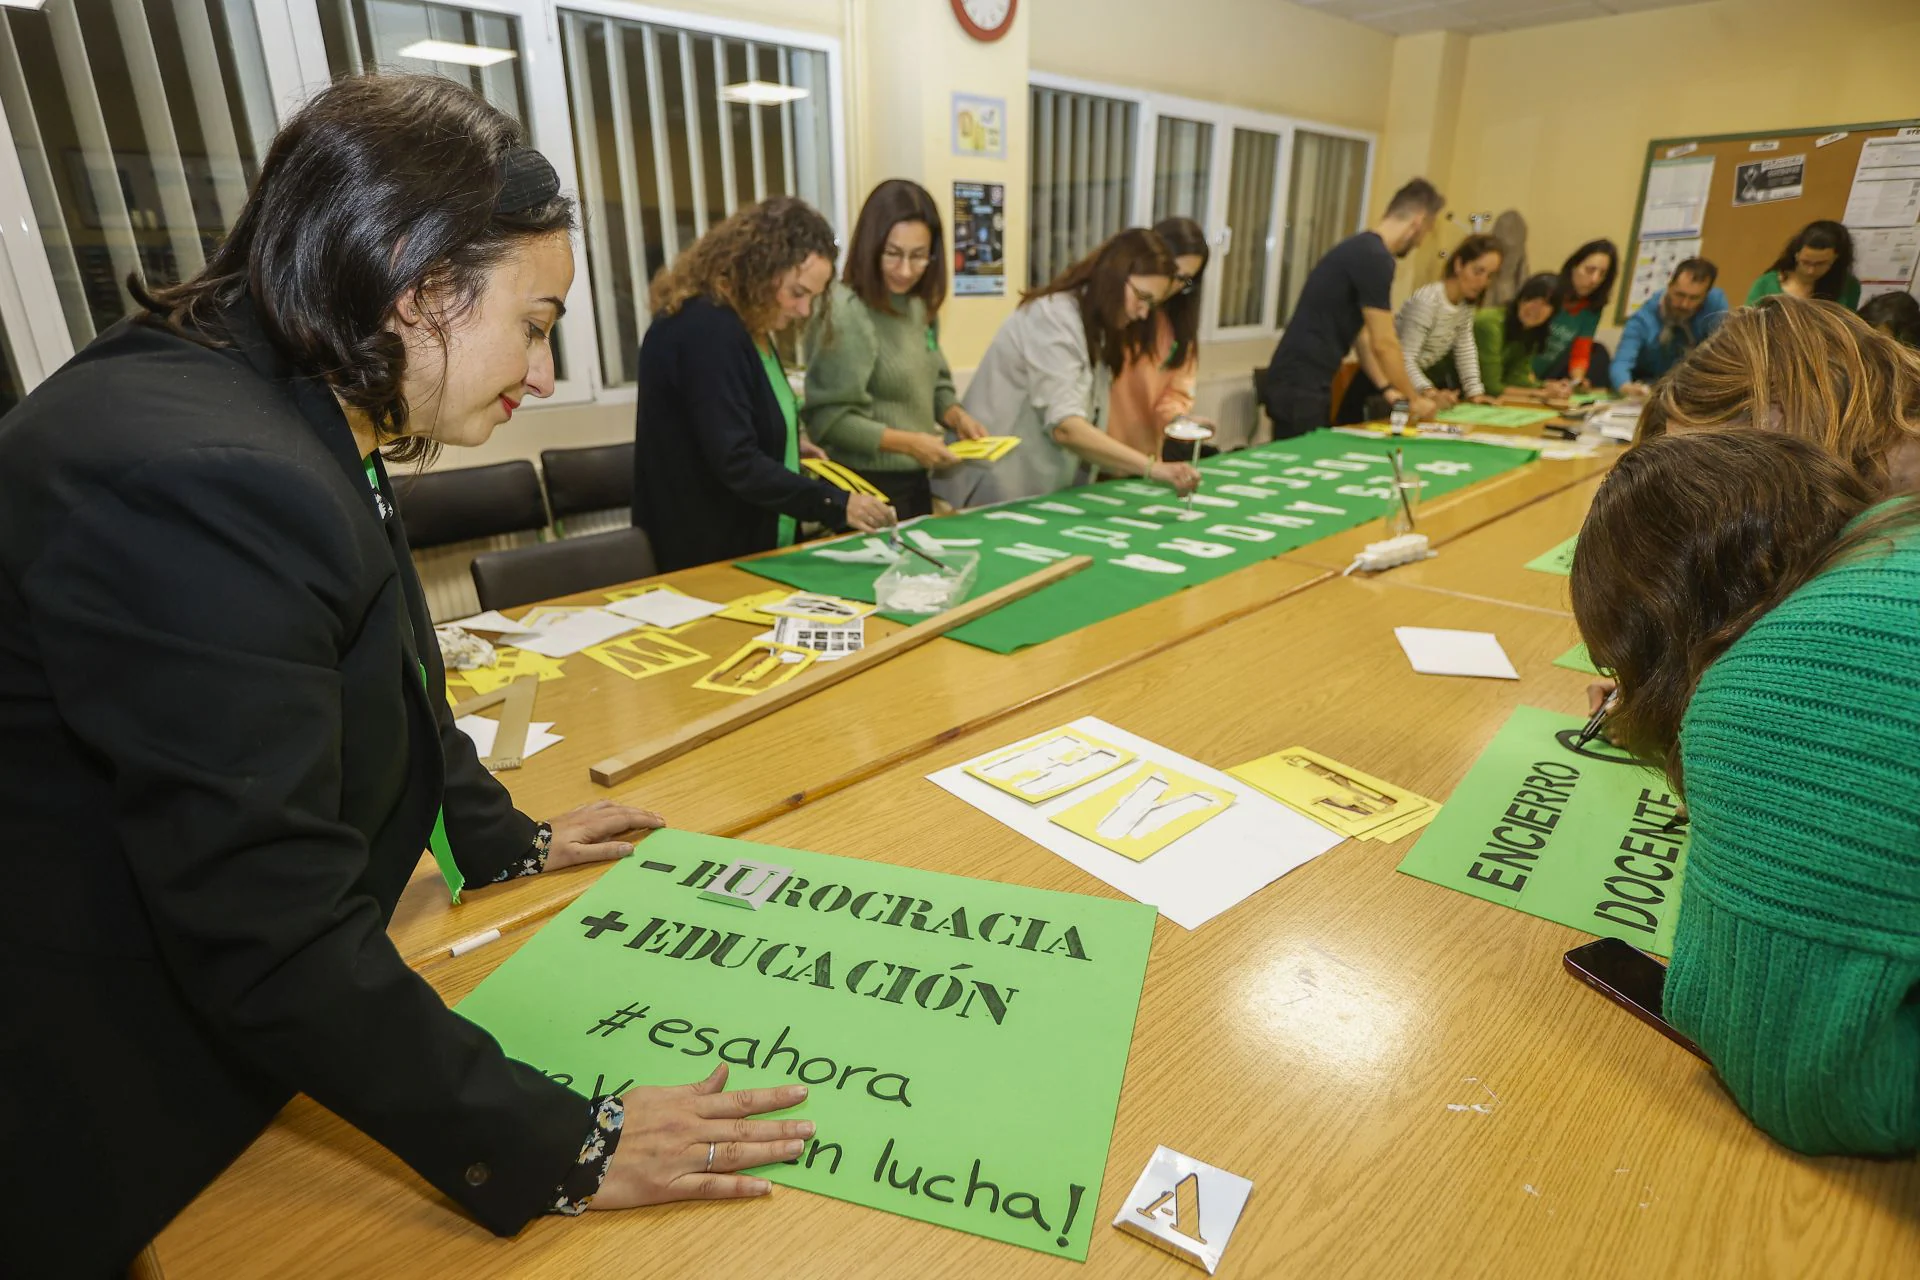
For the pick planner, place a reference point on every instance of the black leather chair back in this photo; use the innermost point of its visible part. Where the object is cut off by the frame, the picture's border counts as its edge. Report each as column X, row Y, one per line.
column 594, row 479
column 522, row 575
column 471, row 502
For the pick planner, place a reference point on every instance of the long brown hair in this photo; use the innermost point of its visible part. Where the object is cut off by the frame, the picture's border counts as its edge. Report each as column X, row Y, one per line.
column 1099, row 282
column 1691, row 540
column 379, row 185
column 1826, row 374
column 739, row 262
column 893, row 202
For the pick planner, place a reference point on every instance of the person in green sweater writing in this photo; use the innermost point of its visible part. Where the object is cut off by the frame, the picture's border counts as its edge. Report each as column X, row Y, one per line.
column 1760, row 603
column 879, row 392
column 1509, row 337
column 1817, row 263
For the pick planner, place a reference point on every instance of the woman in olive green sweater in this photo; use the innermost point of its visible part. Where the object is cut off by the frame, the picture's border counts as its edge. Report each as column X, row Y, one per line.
column 879, row 390
column 1763, row 615
column 1509, row 337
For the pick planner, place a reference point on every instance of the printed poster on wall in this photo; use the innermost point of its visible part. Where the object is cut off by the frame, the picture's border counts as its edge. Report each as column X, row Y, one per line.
column 979, row 127
column 979, row 244
column 1764, row 181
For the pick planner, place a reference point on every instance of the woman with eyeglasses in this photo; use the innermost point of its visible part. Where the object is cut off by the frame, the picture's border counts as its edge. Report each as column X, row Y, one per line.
column 1047, row 375
column 879, row 393
column 1155, row 386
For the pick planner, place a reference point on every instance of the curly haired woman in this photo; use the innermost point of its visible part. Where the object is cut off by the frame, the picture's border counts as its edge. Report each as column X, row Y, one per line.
column 716, row 431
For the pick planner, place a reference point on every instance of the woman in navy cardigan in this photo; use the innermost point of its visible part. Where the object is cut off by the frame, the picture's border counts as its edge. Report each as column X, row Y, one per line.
column 716, row 431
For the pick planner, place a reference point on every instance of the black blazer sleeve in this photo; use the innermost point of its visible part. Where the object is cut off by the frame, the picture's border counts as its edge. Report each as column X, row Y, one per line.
column 484, row 830
column 192, row 627
column 720, row 368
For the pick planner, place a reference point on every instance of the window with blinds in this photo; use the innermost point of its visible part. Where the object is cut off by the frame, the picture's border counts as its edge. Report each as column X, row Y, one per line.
column 673, row 131
column 1182, row 168
column 138, row 125
column 1326, row 198
column 1081, row 169
column 479, row 49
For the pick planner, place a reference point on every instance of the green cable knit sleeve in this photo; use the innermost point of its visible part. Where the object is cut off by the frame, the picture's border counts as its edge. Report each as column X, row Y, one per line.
column 1796, row 957
column 841, row 355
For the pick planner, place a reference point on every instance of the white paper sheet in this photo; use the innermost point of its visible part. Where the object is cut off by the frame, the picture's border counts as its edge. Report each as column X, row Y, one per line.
column 492, row 622
column 1436, row 651
column 570, row 633
column 664, row 608
column 1886, row 185
column 1218, row 864
column 1676, row 203
column 1653, row 265
column 483, row 730
column 1886, row 254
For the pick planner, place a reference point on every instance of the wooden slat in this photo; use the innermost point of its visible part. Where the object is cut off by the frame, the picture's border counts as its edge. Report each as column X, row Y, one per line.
column 617, row 769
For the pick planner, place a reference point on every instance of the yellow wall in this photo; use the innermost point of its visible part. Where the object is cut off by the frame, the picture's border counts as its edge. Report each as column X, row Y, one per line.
column 1570, row 158
column 1265, row 55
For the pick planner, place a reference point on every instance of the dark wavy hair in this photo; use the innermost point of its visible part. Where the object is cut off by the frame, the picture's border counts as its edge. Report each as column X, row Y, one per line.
column 1563, row 288
column 1182, row 236
column 1822, row 234
column 379, row 186
column 893, row 202
column 1471, row 249
column 739, row 262
column 1692, row 539
column 1538, row 288
column 1897, row 314
column 1099, row 282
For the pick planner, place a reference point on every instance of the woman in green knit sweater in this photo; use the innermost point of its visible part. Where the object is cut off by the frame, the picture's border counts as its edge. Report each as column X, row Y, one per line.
column 879, row 391
column 1760, row 603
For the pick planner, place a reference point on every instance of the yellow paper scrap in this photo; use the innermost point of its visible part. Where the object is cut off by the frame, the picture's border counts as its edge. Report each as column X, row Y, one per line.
column 748, row 608
column 511, row 665
column 756, row 667
column 1145, row 811
column 1049, row 764
column 985, row 449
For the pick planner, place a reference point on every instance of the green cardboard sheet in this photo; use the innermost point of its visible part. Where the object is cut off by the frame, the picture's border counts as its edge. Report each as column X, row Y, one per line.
column 1583, row 837
column 1558, row 560
column 964, row 1040
column 1146, row 543
column 1577, row 659
column 1496, row 415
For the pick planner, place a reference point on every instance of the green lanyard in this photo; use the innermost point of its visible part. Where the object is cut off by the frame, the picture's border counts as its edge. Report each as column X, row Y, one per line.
column 783, row 392
column 437, row 842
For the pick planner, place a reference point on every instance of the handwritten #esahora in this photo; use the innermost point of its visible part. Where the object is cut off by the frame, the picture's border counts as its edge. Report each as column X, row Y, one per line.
column 963, row 1041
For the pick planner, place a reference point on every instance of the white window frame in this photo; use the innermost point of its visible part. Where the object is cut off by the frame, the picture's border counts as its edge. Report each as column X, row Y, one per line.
column 296, row 64
column 1224, row 118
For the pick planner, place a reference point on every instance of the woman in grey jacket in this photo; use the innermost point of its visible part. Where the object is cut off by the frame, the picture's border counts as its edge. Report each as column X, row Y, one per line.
column 1046, row 376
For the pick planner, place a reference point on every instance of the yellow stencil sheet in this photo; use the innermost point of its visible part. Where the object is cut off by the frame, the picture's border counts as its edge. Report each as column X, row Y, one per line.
column 512, row 664
column 1333, row 794
column 814, row 608
column 1145, row 811
column 841, row 477
column 985, row 449
column 756, row 667
column 645, row 653
column 1049, row 764
column 748, row 608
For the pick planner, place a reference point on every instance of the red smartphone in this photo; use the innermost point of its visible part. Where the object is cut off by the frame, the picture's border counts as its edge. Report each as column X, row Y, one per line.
column 1631, row 979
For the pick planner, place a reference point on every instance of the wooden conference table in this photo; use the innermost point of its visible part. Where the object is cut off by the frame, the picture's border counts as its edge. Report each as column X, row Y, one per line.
column 1310, row 1039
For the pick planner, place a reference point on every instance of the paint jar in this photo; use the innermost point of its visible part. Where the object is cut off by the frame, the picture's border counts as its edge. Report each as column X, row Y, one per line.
column 913, row 585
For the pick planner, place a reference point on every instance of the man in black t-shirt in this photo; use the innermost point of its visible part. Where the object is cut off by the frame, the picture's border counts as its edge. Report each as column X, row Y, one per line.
column 1348, row 294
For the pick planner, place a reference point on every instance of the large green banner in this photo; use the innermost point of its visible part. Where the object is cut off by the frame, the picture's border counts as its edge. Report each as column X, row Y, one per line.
column 1146, row 543
column 1579, row 834
column 963, row 1040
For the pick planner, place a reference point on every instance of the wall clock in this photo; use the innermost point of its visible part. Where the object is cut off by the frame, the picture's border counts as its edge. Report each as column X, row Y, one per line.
column 985, row 19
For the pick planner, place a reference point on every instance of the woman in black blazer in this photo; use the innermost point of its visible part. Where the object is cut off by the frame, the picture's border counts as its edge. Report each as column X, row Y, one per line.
column 224, row 734
column 716, row 431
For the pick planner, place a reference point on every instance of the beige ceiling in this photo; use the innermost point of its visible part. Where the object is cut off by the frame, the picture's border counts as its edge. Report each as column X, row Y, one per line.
column 1477, row 17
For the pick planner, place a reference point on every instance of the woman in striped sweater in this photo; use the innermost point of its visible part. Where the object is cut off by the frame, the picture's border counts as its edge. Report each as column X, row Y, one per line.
column 1760, row 602
column 1435, row 325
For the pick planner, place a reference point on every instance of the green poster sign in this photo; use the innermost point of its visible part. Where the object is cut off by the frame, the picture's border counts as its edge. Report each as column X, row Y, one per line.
column 1577, row 659
column 963, row 1040
column 1558, row 560
column 1496, row 415
column 1146, row 543
column 1581, row 836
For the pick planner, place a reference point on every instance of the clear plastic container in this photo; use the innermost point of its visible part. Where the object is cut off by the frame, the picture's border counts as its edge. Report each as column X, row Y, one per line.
column 913, row 585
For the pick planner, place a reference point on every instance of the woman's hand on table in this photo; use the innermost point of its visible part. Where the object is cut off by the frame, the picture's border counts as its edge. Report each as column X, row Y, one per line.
column 1557, row 388
column 592, row 833
column 664, row 1142
column 867, row 514
column 1482, row 398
